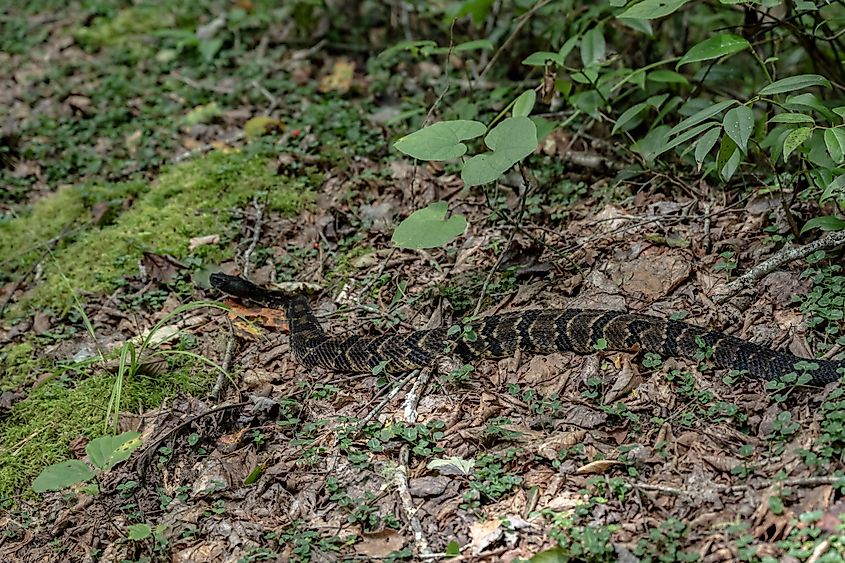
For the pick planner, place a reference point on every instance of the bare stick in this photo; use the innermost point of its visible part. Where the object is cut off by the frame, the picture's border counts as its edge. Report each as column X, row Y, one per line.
column 401, row 476
column 256, row 233
column 783, row 256
column 393, row 392
column 506, row 45
column 227, row 360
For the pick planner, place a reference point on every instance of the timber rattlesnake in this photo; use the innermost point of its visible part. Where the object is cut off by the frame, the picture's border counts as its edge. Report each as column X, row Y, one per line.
column 532, row 331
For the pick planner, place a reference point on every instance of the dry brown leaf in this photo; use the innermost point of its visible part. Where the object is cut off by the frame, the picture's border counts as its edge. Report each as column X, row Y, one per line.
column 264, row 316
column 380, row 544
column 160, row 268
column 598, row 467
column 340, row 78
column 196, row 242
column 484, row 534
column 549, row 448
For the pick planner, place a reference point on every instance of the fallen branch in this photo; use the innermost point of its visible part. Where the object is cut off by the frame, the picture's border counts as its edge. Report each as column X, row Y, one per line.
column 783, row 256
column 401, row 475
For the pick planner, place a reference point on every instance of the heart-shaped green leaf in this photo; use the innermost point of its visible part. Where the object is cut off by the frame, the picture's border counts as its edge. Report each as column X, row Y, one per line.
column 511, row 141
column 441, row 141
column 826, row 223
column 62, row 475
column 429, row 228
column 524, row 103
column 108, row 451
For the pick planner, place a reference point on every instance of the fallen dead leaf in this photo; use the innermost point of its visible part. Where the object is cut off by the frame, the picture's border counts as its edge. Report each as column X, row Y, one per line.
column 340, row 77
column 196, row 242
column 380, row 544
column 598, row 467
column 264, row 316
column 160, row 268
column 484, row 534
column 549, row 448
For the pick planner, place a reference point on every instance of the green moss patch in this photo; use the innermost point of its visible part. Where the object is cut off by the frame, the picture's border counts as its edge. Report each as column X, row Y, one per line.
column 188, row 200
column 17, row 363
column 40, row 427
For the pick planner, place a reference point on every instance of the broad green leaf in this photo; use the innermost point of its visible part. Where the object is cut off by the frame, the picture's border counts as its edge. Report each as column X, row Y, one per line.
column 657, row 101
column 794, row 140
column 837, row 185
column 468, row 46
column 828, row 223
column 524, row 103
column 686, row 136
column 544, row 127
column 567, row 47
column 648, row 146
column 792, row 118
column 834, row 139
column 107, row 451
column 793, row 83
column 138, row 532
column 592, row 47
column 414, row 47
column 62, row 475
column 463, row 465
column 441, row 141
column 817, row 153
column 705, row 144
column 628, row 115
column 652, row 9
column 667, row 77
column 715, row 47
column 809, row 100
column 208, row 48
column 540, row 58
column 840, row 111
column 643, row 26
column 472, row 45
column 739, row 124
column 727, row 159
column 510, row 141
column 702, row 115
column 453, row 548
column 588, row 101
column 429, row 227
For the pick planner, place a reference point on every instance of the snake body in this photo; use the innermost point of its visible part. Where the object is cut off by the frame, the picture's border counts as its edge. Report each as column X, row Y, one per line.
column 582, row 331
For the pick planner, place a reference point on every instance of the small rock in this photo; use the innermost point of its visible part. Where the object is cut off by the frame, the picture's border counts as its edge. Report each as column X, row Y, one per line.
column 428, row 486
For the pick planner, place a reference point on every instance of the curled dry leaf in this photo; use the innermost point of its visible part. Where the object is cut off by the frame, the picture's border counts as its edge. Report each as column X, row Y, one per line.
column 598, row 467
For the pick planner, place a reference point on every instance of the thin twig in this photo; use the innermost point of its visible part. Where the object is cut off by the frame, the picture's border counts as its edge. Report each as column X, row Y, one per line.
column 393, row 392
column 794, row 482
column 517, row 226
column 783, row 256
column 401, row 482
column 505, row 47
column 256, row 233
column 227, row 360
column 266, row 93
column 401, row 476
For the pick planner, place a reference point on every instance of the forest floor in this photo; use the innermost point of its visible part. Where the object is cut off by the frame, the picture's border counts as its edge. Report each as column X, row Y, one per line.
column 132, row 171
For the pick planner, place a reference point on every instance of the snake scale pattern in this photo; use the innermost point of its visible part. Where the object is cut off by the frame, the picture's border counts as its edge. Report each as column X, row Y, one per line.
column 531, row 332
